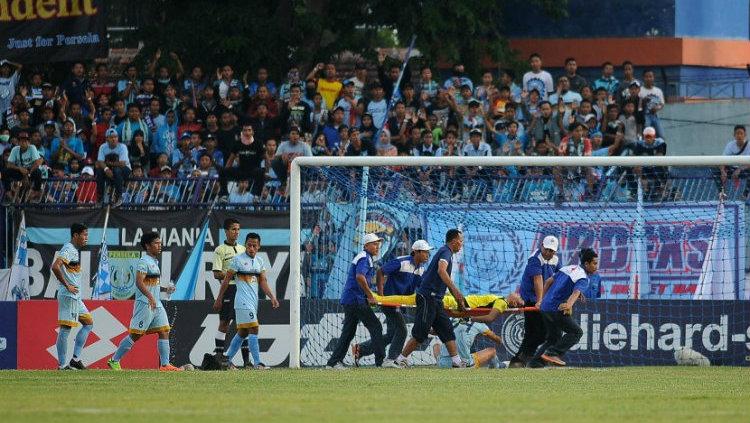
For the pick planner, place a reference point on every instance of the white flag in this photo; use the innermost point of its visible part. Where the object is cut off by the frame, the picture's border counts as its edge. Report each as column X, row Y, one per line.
column 18, row 283
column 102, row 287
column 717, row 275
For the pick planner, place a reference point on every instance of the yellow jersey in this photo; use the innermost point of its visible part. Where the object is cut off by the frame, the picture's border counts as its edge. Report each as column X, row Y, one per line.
column 329, row 91
column 223, row 255
column 477, row 301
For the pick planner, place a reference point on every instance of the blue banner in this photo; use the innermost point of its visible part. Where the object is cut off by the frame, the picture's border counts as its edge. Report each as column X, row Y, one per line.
column 684, row 246
column 8, row 334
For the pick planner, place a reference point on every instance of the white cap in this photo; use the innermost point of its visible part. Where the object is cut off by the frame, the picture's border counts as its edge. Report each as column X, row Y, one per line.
column 371, row 238
column 550, row 242
column 589, row 117
column 649, row 130
column 88, row 170
column 421, row 245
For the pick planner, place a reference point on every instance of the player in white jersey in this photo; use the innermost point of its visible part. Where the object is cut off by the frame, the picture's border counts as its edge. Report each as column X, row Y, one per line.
column 248, row 270
column 149, row 315
column 70, row 307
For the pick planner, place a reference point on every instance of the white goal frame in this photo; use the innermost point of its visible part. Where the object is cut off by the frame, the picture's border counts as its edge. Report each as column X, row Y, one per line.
column 295, row 205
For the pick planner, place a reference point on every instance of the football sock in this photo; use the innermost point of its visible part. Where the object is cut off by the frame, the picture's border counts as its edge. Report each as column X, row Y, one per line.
column 219, row 340
column 163, row 346
column 234, row 346
column 245, row 351
column 62, row 345
column 125, row 345
column 252, row 342
column 456, row 360
column 81, row 337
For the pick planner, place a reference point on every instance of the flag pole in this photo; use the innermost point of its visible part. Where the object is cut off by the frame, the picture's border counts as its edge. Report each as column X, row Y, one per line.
column 102, row 246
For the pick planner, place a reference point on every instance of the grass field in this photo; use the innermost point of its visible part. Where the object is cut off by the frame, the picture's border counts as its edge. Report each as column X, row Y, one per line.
column 669, row 394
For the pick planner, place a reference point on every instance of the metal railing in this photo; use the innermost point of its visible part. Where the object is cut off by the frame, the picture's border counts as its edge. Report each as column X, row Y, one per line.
column 442, row 186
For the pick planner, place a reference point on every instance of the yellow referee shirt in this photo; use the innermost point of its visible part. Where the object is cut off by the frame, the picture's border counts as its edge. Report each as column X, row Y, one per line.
column 223, row 254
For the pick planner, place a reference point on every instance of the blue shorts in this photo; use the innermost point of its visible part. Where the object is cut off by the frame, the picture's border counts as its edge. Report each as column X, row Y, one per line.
column 69, row 310
column 245, row 318
column 146, row 321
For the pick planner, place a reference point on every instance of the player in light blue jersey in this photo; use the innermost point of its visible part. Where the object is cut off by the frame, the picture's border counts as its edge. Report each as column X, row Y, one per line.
column 466, row 333
column 70, row 307
column 149, row 315
column 248, row 271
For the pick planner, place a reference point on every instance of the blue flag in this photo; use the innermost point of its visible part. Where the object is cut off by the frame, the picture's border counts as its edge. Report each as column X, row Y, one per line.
column 185, row 287
column 102, row 287
column 17, row 285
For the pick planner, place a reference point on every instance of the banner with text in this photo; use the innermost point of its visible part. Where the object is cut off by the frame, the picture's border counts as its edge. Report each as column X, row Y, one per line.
column 49, row 230
column 56, row 31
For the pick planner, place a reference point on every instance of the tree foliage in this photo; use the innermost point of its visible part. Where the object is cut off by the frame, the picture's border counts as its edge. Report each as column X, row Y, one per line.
column 275, row 34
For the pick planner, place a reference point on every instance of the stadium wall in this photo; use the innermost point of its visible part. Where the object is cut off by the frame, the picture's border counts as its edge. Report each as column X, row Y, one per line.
column 702, row 129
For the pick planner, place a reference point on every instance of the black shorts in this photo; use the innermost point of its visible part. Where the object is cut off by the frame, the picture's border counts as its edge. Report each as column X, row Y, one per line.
column 227, row 304
column 431, row 314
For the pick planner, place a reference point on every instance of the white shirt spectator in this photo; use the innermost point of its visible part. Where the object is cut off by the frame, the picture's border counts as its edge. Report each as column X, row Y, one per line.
column 654, row 95
column 732, row 149
column 299, row 149
column 483, row 149
column 541, row 81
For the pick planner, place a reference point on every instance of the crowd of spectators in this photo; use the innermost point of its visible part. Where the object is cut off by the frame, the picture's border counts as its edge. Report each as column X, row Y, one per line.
column 164, row 122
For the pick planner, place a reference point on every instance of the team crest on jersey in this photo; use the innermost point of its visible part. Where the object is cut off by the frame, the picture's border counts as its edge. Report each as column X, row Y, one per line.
column 512, row 333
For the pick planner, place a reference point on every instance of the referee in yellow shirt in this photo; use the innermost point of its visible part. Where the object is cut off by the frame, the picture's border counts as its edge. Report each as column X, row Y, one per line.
column 223, row 255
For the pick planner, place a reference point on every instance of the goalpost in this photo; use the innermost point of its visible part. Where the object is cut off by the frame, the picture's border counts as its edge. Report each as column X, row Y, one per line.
column 635, row 205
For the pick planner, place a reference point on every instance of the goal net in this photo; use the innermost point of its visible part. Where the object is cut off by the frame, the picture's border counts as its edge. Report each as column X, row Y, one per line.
column 669, row 232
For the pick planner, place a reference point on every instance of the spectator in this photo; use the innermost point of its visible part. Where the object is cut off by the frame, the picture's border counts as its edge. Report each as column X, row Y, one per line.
column 428, row 88
column 484, row 91
column 318, row 114
column 295, row 112
column 628, row 78
column 577, row 82
column 138, row 150
column 182, row 158
column 165, row 141
column 629, row 122
column 329, row 87
column 292, row 79
column 511, row 136
column 188, row 122
column 36, row 141
column 196, row 146
column 126, row 130
column 193, row 86
column 208, row 103
column 608, row 80
column 171, row 102
column 377, row 108
column 76, row 87
column 128, row 87
column 427, row 148
column 565, row 96
column 86, row 192
column 98, row 133
column 241, row 193
column 163, row 77
column 146, row 93
column 263, row 123
column 249, row 153
column 653, row 177
column 205, row 168
column 112, row 167
column 408, row 96
column 652, row 101
column 537, row 78
column 286, row 152
column 507, row 79
column 225, row 81
column 120, row 113
column 263, row 97
column 161, row 161
column 611, row 125
column 23, row 166
column 331, row 130
column 348, row 103
column 262, row 81
column 736, row 147
column 388, row 76
column 357, row 147
column 458, row 79
column 229, row 133
column 154, row 119
column 269, row 176
column 475, row 146
column 320, row 146
column 359, row 79
column 217, row 158
column 66, row 147
column 575, row 144
column 367, row 130
column 137, row 192
column 384, row 146
column 546, row 124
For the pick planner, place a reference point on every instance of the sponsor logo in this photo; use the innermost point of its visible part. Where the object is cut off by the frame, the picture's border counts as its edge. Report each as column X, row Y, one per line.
column 512, row 333
column 3, row 344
